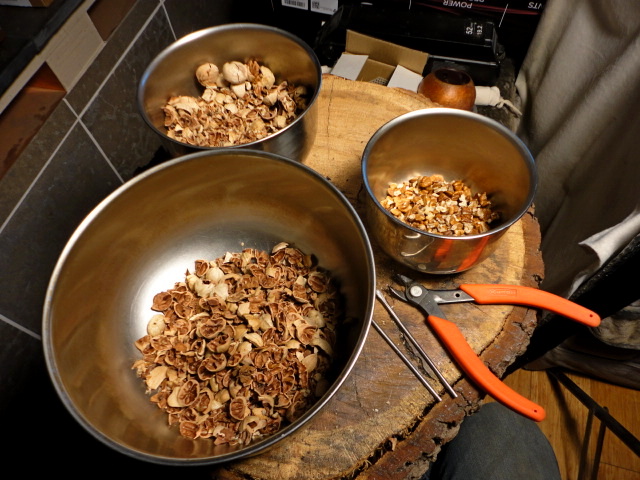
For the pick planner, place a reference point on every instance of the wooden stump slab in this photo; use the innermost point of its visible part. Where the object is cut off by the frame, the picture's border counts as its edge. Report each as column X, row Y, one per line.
column 383, row 423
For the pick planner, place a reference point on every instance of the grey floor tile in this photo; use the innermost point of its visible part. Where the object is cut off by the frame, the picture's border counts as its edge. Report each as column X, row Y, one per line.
column 20, row 356
column 200, row 14
column 113, row 117
column 117, row 43
column 26, row 168
column 75, row 181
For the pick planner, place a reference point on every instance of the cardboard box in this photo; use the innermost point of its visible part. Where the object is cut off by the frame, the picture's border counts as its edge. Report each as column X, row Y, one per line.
column 369, row 59
column 27, row 3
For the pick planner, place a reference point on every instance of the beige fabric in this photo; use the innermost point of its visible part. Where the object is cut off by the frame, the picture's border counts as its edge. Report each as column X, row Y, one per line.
column 580, row 96
column 622, row 329
column 578, row 354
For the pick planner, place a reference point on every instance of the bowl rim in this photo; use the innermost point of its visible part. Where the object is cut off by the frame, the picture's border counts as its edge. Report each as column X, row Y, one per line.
column 211, row 30
column 262, row 444
column 439, row 111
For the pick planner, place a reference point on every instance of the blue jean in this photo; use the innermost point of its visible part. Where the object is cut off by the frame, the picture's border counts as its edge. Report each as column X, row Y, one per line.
column 496, row 443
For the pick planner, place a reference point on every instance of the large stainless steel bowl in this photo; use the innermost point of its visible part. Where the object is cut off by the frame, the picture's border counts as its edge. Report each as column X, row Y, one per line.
column 172, row 73
column 459, row 145
column 142, row 238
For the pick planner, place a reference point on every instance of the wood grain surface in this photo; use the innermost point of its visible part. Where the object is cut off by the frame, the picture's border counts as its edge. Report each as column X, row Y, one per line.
column 567, row 420
column 383, row 423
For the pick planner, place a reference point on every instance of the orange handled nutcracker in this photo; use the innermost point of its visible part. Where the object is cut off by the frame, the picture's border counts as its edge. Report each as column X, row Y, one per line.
column 429, row 302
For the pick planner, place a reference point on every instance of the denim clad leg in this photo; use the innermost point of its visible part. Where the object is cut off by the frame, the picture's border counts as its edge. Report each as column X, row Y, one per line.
column 496, row 443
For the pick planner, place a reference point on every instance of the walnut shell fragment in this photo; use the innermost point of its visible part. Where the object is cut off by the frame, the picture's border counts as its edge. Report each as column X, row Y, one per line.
column 241, row 103
column 253, row 354
column 434, row 205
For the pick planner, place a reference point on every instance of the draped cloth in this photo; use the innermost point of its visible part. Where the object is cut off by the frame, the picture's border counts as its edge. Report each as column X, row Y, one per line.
column 579, row 87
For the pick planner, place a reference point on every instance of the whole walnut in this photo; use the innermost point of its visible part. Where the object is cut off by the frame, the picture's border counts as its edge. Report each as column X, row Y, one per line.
column 235, row 72
column 207, row 74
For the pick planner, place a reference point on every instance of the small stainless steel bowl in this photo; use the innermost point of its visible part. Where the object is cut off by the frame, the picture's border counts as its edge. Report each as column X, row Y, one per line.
column 172, row 73
column 459, row 145
column 141, row 239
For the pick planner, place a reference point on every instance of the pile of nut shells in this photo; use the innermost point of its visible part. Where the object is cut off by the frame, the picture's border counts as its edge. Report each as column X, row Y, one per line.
column 434, row 205
column 241, row 103
column 243, row 346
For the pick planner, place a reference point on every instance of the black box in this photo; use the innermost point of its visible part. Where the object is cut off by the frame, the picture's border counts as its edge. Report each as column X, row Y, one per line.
column 467, row 43
column 514, row 22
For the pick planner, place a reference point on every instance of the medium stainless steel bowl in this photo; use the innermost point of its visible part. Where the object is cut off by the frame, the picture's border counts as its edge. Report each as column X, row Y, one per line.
column 459, row 145
column 142, row 238
column 172, row 73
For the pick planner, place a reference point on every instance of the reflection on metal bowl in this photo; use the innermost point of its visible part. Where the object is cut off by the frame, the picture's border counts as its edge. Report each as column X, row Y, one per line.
column 142, row 238
column 172, row 73
column 459, row 145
